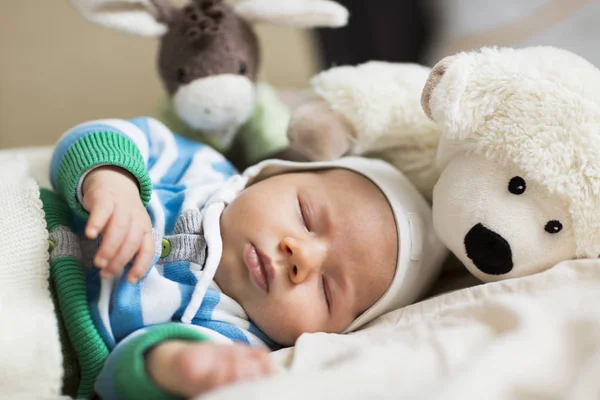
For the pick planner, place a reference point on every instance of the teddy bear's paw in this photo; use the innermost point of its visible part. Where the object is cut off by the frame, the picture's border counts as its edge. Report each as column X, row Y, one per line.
column 319, row 132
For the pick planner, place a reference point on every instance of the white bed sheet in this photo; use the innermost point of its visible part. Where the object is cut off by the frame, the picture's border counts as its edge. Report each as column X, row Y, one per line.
column 536, row 337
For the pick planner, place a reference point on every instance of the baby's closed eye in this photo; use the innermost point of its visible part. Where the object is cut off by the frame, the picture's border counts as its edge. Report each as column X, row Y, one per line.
column 326, row 291
column 304, row 213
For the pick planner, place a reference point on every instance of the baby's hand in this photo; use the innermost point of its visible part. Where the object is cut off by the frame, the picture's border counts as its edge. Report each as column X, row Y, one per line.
column 111, row 195
column 191, row 368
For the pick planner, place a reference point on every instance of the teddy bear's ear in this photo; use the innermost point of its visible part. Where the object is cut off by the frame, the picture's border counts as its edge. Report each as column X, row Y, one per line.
column 448, row 95
column 432, row 81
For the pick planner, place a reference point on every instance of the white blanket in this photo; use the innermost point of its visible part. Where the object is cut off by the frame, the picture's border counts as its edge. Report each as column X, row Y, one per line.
column 30, row 357
column 533, row 337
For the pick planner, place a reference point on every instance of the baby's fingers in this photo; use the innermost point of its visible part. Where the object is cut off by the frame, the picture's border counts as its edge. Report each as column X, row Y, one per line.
column 100, row 213
column 112, row 238
column 130, row 246
column 143, row 259
column 252, row 364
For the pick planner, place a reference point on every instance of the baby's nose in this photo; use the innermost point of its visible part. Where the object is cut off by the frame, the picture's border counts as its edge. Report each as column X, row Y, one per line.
column 303, row 257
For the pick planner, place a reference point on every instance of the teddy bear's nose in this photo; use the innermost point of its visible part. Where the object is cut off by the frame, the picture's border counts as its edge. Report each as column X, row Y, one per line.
column 489, row 251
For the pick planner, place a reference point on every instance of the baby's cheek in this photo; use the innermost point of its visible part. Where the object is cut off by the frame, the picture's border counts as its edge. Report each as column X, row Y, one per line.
column 284, row 322
column 289, row 329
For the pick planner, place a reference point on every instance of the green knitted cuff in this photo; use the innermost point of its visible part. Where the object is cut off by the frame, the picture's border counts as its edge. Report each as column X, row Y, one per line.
column 101, row 148
column 91, row 350
column 56, row 211
column 130, row 376
column 69, row 281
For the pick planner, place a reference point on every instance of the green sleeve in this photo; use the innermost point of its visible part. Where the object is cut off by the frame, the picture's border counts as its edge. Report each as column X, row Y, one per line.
column 124, row 375
column 100, row 148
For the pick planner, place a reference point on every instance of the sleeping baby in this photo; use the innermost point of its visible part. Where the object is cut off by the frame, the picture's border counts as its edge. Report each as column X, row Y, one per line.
column 174, row 275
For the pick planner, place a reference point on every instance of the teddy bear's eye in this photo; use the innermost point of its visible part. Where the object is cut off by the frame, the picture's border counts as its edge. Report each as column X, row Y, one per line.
column 553, row 226
column 517, row 185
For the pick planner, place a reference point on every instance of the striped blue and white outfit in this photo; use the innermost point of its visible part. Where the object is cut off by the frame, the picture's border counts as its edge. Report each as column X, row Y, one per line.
column 185, row 186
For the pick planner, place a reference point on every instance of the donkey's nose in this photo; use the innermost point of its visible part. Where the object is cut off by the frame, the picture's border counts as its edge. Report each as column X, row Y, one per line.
column 489, row 251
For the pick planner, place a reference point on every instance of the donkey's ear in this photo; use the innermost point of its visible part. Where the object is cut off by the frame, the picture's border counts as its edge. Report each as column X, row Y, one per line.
column 140, row 17
column 294, row 13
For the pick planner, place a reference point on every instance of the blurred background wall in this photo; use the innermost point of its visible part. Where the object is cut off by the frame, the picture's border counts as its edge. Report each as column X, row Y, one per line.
column 57, row 70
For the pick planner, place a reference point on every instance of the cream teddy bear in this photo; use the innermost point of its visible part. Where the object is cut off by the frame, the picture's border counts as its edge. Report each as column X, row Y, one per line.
column 372, row 109
column 512, row 147
column 519, row 189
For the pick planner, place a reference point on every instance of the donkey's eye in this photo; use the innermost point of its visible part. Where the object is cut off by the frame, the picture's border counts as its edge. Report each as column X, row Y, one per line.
column 242, row 68
column 181, row 75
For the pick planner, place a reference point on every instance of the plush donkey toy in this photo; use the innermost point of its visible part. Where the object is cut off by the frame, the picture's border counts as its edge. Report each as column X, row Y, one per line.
column 209, row 58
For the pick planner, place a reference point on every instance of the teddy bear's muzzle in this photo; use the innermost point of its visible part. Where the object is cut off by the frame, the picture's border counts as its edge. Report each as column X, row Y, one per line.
column 489, row 251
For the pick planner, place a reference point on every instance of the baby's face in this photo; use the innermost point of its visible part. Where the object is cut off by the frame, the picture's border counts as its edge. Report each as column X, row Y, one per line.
column 307, row 252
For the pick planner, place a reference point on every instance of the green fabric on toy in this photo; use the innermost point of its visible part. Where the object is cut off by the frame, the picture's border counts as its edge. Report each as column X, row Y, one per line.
column 208, row 61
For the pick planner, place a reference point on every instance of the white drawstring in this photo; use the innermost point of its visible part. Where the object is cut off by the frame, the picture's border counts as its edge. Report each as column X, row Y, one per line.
column 212, row 234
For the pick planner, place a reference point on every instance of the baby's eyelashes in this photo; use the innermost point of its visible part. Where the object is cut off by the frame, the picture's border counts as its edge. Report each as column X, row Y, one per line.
column 326, row 293
column 303, row 211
